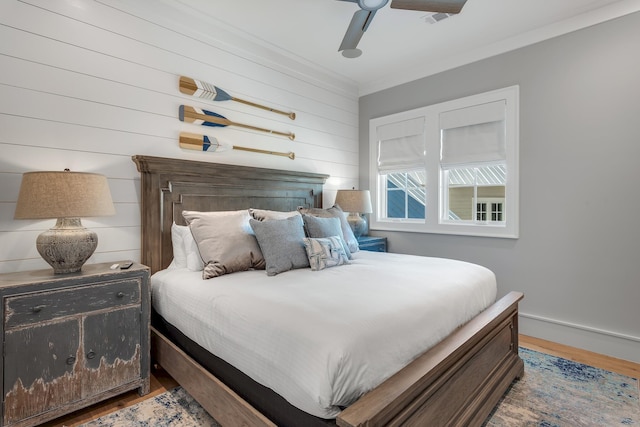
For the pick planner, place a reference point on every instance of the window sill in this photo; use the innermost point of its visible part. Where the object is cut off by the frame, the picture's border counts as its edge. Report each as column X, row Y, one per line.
column 457, row 230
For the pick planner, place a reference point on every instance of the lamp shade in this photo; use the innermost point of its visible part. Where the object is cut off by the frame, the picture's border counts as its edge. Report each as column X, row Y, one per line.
column 63, row 195
column 67, row 196
column 354, row 201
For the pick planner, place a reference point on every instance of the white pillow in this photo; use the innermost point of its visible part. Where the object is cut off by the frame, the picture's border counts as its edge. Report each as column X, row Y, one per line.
column 194, row 260
column 267, row 215
column 185, row 249
column 177, row 241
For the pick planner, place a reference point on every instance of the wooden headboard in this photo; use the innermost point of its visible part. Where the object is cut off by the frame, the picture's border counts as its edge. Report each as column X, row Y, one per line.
column 170, row 186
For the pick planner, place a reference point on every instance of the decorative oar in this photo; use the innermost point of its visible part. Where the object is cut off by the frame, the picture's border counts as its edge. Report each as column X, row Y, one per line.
column 206, row 90
column 209, row 118
column 194, row 141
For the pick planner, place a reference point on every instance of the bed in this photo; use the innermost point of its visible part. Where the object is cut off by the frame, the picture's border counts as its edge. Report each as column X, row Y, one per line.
column 457, row 381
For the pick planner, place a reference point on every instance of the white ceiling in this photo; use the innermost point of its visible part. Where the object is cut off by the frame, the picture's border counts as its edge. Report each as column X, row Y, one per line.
column 400, row 45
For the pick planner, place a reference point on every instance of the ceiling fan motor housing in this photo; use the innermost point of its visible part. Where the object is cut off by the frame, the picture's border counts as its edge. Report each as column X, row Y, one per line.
column 372, row 5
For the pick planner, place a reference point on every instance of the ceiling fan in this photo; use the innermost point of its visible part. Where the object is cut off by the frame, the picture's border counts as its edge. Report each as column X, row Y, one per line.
column 368, row 8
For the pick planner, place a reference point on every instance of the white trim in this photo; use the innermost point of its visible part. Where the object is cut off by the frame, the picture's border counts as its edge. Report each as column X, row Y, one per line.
column 581, row 327
column 610, row 343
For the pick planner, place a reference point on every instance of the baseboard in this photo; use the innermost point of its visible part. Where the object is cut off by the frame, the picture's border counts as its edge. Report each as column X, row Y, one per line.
column 610, row 343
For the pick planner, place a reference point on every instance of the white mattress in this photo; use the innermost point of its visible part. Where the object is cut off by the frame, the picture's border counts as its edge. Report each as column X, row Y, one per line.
column 321, row 339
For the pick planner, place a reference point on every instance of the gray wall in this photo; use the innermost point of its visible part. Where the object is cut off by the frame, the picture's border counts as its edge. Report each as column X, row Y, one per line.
column 578, row 256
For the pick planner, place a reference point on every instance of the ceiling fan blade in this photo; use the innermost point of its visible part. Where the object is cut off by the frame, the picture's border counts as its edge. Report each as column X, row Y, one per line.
column 440, row 6
column 358, row 25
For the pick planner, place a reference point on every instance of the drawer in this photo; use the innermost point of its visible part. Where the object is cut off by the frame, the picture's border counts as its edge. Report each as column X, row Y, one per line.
column 42, row 306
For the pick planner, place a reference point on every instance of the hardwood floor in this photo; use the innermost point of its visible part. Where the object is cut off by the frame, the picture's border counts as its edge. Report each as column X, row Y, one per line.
column 161, row 381
column 611, row 364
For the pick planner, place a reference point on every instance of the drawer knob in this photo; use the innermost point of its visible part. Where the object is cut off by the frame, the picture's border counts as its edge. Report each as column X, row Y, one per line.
column 37, row 308
column 120, row 294
column 91, row 354
column 71, row 360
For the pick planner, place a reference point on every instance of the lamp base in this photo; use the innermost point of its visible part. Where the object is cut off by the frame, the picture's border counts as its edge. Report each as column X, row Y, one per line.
column 358, row 224
column 67, row 246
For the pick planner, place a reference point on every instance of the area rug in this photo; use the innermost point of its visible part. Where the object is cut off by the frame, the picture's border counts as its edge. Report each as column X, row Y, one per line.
column 559, row 392
column 553, row 392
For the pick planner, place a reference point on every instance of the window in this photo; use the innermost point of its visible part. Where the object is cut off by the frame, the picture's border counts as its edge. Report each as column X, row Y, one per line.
column 448, row 168
column 406, row 195
column 489, row 210
column 466, row 189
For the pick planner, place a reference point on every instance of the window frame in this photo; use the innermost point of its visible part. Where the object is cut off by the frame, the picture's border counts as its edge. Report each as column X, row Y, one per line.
column 433, row 223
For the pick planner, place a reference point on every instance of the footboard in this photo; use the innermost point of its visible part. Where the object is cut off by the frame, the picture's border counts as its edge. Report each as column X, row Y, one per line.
column 216, row 398
column 458, row 382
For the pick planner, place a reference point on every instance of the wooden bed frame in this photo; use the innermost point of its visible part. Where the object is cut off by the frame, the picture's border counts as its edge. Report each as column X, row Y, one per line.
column 457, row 382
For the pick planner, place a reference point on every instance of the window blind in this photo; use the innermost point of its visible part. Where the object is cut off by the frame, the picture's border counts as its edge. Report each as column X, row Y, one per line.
column 401, row 145
column 473, row 135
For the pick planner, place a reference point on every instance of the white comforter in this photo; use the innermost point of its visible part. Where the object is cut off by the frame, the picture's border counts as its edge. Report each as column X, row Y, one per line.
column 321, row 339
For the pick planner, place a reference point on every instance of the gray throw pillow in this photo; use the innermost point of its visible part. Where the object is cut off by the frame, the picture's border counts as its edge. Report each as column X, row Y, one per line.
column 282, row 243
column 336, row 212
column 225, row 241
column 316, row 227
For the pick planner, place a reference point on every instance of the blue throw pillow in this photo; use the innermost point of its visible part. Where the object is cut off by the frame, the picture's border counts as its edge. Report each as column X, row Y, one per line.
column 325, row 227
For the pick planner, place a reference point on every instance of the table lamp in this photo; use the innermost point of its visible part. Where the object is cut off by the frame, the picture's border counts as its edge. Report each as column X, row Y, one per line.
column 356, row 202
column 66, row 196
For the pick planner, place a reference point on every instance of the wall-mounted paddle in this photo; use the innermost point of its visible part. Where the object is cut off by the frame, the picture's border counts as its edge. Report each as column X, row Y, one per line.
column 209, row 118
column 206, row 90
column 194, row 141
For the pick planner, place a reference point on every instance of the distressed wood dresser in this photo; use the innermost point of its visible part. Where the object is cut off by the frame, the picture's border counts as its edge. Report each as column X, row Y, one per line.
column 72, row 340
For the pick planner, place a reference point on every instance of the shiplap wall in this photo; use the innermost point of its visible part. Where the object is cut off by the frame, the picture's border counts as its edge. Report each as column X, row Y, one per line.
column 87, row 84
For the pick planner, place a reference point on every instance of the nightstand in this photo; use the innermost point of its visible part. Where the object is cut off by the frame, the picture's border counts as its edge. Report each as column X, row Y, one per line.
column 71, row 340
column 373, row 244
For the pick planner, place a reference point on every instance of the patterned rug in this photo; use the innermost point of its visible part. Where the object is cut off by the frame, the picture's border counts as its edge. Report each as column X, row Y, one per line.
column 559, row 392
column 553, row 392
